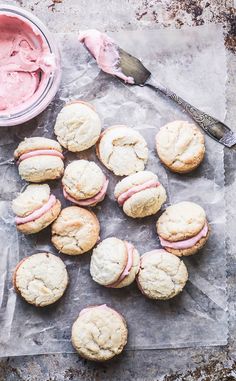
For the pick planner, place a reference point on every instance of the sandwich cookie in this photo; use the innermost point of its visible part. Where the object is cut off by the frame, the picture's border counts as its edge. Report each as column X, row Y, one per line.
column 35, row 208
column 39, row 159
column 183, row 228
column 40, row 279
column 99, row 333
column 180, row 146
column 75, row 231
column 140, row 194
column 162, row 275
column 114, row 263
column 78, row 126
column 84, row 183
column 122, row 150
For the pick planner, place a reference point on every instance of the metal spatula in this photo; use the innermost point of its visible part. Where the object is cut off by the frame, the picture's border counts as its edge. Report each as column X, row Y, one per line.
column 132, row 67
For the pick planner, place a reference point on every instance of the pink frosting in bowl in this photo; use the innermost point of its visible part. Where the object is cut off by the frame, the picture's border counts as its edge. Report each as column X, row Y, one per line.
column 187, row 243
column 29, row 66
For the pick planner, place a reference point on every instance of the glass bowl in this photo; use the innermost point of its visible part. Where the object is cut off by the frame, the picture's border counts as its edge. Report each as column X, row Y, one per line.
column 43, row 96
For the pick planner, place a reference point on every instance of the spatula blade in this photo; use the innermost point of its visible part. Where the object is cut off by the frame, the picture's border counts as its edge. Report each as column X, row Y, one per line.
column 133, row 67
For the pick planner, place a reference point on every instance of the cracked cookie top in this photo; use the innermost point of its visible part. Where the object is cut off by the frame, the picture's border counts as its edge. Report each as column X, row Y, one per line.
column 78, row 126
column 108, row 261
column 75, row 231
column 180, row 146
column 122, row 150
column 83, row 179
column 36, row 143
column 41, row 279
column 162, row 275
column 140, row 194
column 99, row 333
column 39, row 159
column 114, row 263
column 181, row 221
column 33, row 197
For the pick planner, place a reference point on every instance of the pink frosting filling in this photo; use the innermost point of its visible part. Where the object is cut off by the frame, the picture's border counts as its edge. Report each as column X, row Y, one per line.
column 40, row 152
column 105, row 51
column 89, row 201
column 138, row 188
column 85, row 310
column 125, row 273
column 151, row 253
column 187, row 243
column 25, row 62
column 37, row 213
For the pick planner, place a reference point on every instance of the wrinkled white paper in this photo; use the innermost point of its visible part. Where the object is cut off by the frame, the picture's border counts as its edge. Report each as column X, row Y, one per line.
column 192, row 63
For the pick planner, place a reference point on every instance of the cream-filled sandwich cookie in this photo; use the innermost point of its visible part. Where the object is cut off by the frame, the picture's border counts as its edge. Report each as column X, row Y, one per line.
column 114, row 263
column 99, row 333
column 41, row 279
column 84, row 183
column 140, row 194
column 39, row 159
column 180, row 146
column 162, row 275
column 183, row 228
column 75, row 231
column 122, row 150
column 35, row 208
column 78, row 126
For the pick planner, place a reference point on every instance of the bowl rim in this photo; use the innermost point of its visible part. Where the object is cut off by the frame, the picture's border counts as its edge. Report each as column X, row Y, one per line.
column 52, row 85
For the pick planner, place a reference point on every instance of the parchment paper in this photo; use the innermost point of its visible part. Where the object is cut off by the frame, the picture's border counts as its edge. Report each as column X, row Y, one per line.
column 191, row 62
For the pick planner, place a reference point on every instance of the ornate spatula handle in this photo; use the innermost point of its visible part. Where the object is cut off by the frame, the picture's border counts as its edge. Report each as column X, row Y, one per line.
column 213, row 127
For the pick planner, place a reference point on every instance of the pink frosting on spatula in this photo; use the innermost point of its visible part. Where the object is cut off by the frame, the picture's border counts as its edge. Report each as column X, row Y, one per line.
column 105, row 51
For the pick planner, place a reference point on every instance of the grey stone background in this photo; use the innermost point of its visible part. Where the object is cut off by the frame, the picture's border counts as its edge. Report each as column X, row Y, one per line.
column 201, row 364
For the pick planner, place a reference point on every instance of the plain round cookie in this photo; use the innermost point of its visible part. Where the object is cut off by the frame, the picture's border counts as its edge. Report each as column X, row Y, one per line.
column 82, row 179
column 122, row 150
column 78, row 126
column 180, row 146
column 99, row 333
column 41, row 279
column 109, row 260
column 41, row 167
column 75, row 231
column 162, row 275
column 145, row 202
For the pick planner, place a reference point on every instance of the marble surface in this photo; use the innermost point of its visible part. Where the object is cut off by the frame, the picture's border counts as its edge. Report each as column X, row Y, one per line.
column 215, row 363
